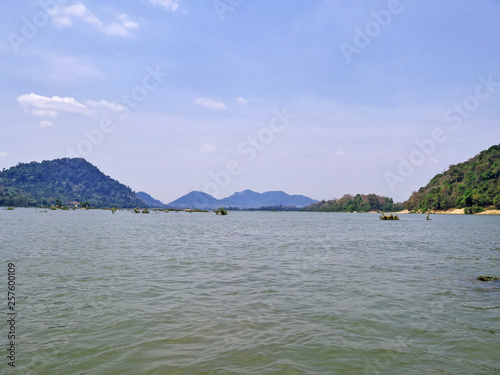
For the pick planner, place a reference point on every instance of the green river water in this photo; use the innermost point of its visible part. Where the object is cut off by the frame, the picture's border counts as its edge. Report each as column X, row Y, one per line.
column 250, row 293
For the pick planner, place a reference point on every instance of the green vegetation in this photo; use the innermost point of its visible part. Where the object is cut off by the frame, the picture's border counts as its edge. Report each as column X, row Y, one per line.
column 473, row 210
column 220, row 211
column 357, row 203
column 85, row 205
column 63, row 182
column 389, row 217
column 473, row 185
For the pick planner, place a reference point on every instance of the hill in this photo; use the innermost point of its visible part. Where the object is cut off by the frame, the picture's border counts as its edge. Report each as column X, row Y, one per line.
column 251, row 199
column 357, row 203
column 150, row 201
column 195, row 199
column 65, row 181
column 244, row 199
column 474, row 183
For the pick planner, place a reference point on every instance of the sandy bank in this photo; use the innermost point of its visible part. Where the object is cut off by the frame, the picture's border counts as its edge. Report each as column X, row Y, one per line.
column 490, row 212
column 458, row 211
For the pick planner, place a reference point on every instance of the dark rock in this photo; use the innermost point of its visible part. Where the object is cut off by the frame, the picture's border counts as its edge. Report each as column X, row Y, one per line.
column 488, row 278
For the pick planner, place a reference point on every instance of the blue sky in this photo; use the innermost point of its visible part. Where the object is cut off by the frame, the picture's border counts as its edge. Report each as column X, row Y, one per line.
column 320, row 98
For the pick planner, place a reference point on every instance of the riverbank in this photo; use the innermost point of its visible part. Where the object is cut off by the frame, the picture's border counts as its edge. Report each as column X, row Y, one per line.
column 456, row 211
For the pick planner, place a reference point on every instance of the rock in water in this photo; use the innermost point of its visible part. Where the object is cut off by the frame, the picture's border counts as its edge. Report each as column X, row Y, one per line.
column 488, row 278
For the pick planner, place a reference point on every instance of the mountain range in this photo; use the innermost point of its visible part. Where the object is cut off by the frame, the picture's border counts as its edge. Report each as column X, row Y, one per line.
column 474, row 184
column 73, row 181
column 243, row 199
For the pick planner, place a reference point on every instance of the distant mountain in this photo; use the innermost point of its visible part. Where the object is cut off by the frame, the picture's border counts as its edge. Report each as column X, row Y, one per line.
column 244, row 199
column 150, row 201
column 64, row 181
column 474, row 183
column 251, row 199
column 195, row 199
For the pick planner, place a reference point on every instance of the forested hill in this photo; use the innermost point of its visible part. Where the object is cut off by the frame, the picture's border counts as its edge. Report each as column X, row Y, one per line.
column 474, row 183
column 63, row 181
column 357, row 203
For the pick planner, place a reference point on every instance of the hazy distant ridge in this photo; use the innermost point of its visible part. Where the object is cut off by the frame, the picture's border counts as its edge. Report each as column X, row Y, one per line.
column 150, row 201
column 243, row 199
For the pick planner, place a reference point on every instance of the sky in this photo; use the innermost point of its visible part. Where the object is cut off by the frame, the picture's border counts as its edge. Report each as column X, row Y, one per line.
column 314, row 97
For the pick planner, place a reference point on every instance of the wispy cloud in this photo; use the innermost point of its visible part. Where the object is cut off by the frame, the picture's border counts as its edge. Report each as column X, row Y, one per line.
column 65, row 16
column 241, row 100
column 51, row 107
column 339, row 153
column 3, row 154
column 105, row 104
column 210, row 103
column 122, row 27
column 171, row 5
column 208, row 149
column 44, row 106
column 45, row 124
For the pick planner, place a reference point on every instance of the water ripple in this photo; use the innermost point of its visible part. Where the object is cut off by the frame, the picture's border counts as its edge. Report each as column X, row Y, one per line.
column 253, row 293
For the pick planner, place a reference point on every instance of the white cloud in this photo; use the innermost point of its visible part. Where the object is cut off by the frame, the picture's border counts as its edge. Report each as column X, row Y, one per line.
column 44, row 106
column 45, row 124
column 208, row 149
column 340, row 153
column 51, row 107
column 171, row 5
column 64, row 16
column 210, row 103
column 433, row 160
column 122, row 28
column 105, row 104
column 3, row 154
column 241, row 100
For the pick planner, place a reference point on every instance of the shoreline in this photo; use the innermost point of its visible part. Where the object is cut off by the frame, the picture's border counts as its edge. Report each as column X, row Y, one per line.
column 451, row 211
column 455, row 211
